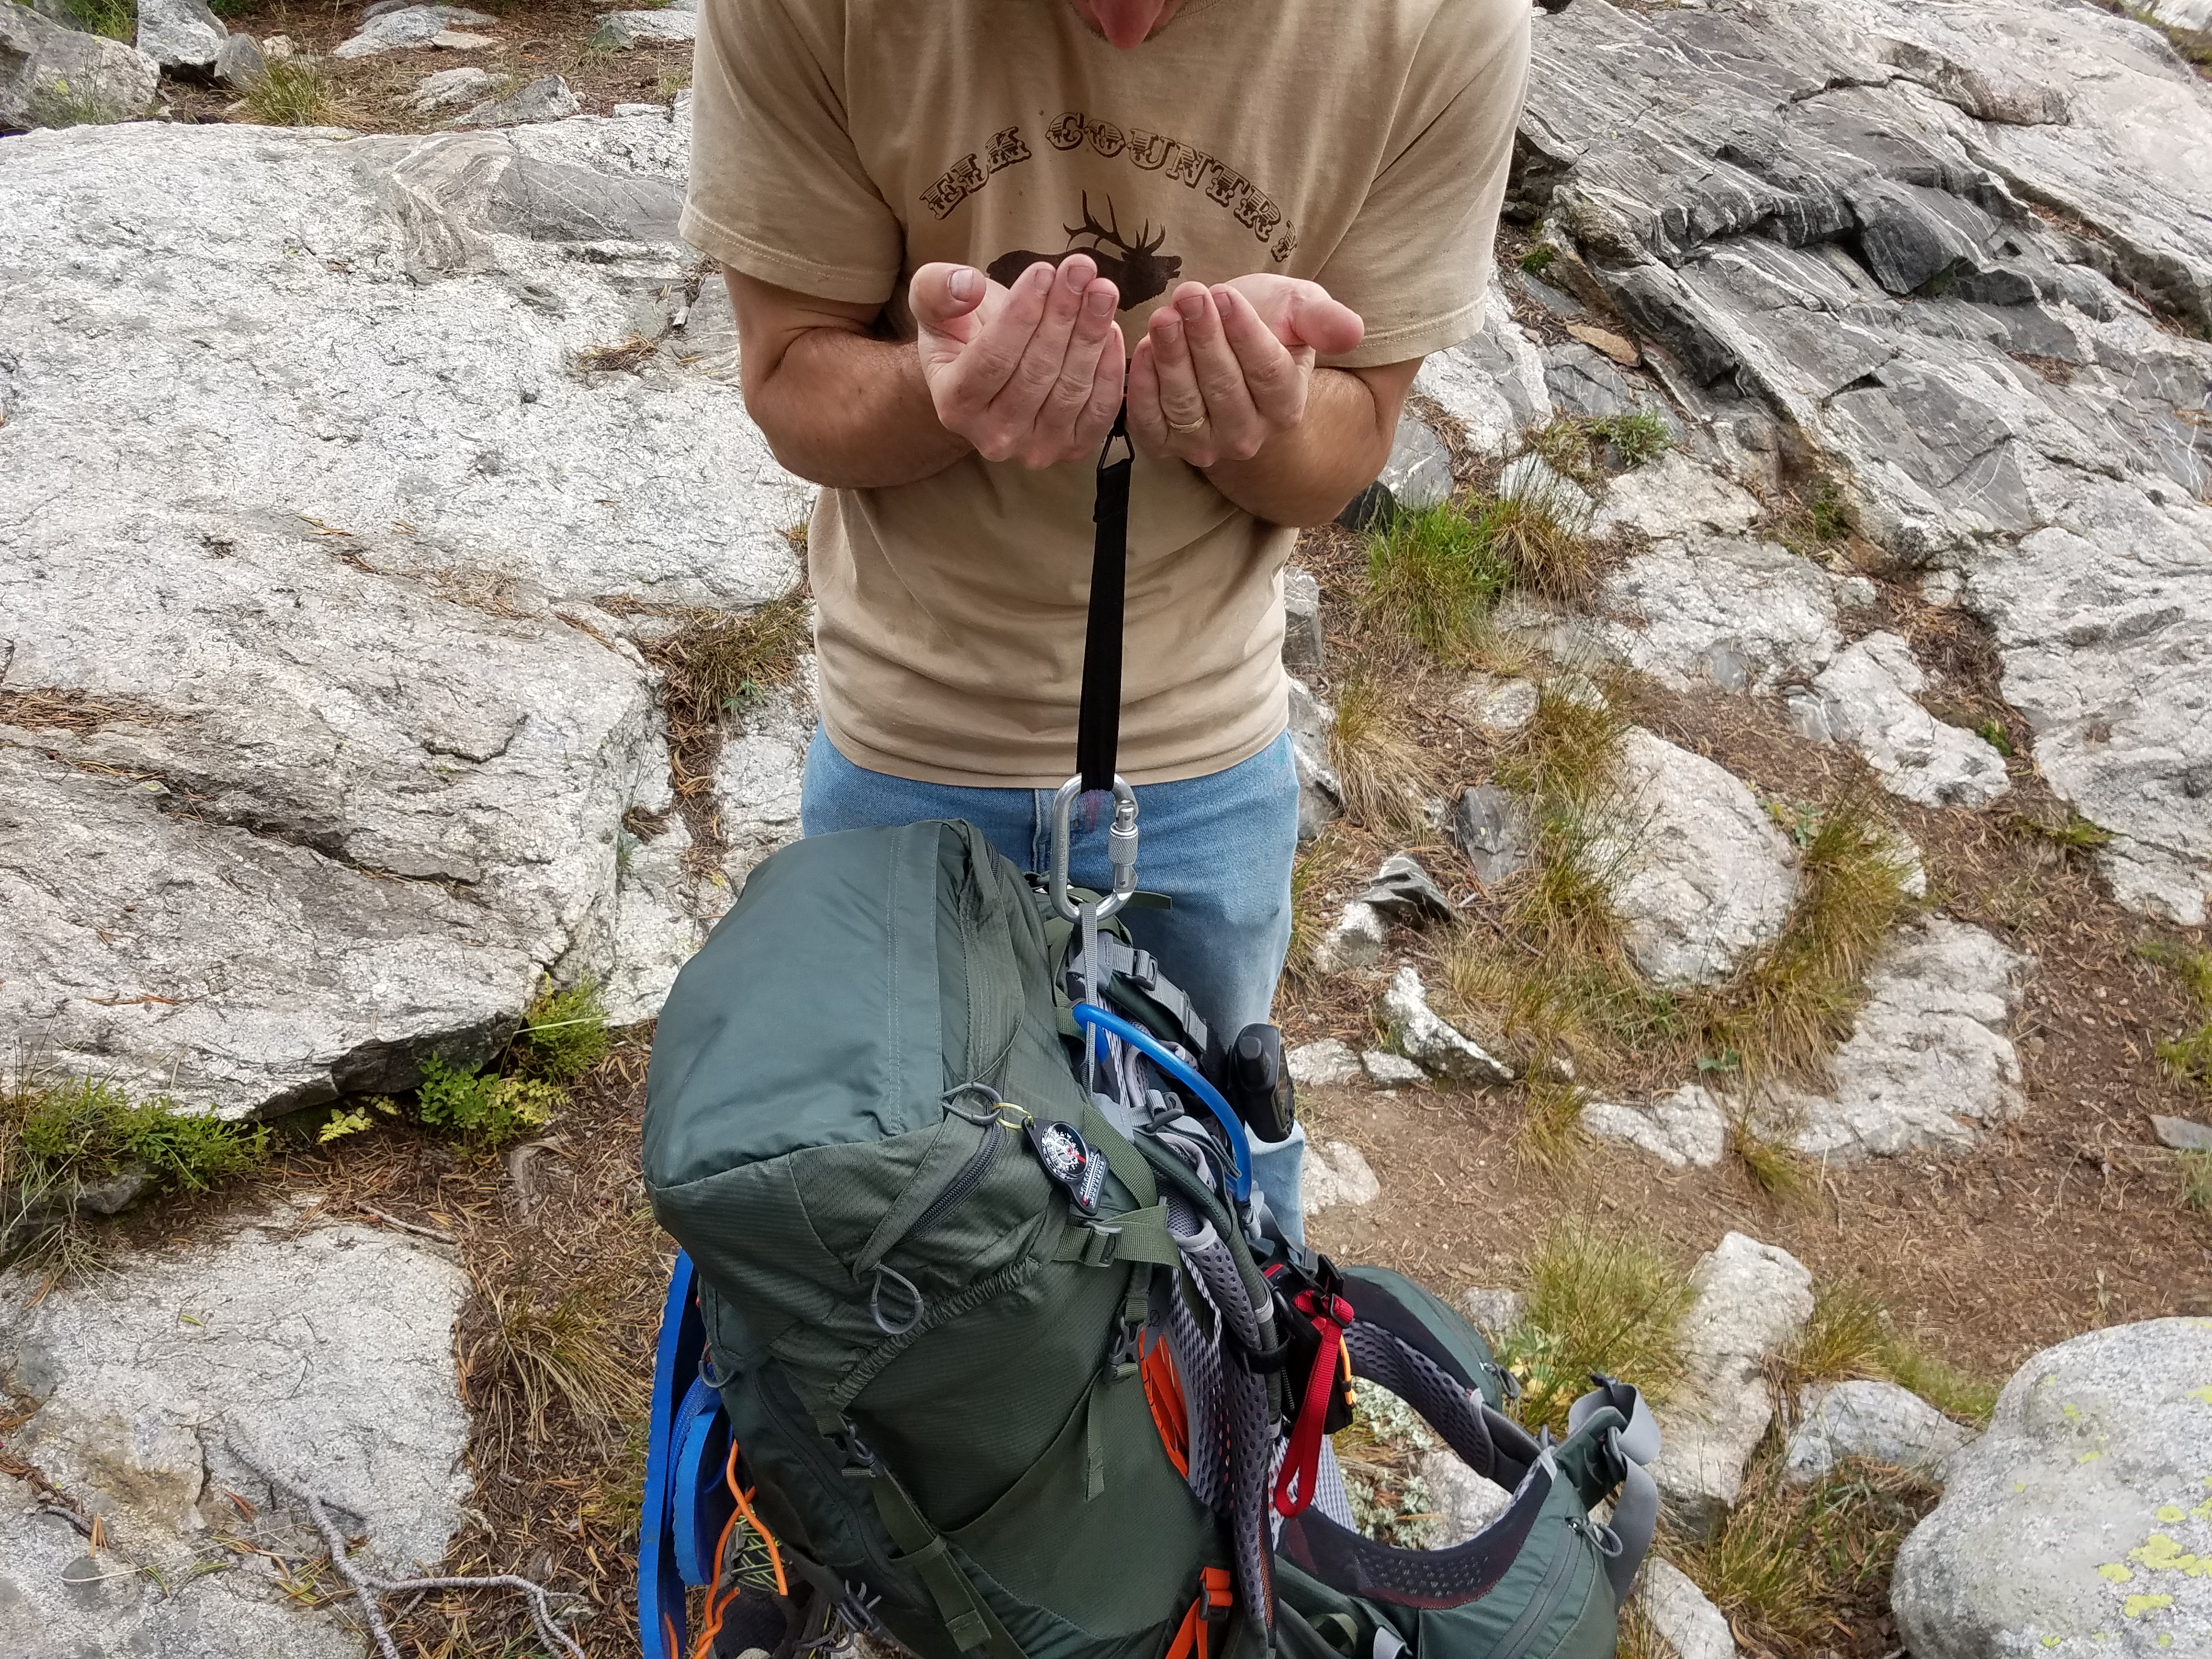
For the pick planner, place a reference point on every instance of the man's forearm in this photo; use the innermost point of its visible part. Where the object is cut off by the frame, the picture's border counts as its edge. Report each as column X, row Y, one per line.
column 1305, row 475
column 851, row 411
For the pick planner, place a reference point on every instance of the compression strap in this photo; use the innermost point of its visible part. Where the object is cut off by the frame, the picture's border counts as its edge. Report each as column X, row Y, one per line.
column 1099, row 721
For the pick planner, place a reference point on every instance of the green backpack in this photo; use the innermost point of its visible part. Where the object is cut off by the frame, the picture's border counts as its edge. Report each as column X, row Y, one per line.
column 1010, row 1369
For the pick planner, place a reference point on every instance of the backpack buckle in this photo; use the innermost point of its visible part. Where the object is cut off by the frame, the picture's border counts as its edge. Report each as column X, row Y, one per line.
column 1101, row 1244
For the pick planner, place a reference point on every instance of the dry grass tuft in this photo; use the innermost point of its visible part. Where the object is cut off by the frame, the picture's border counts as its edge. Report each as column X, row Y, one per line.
column 1538, row 534
column 1578, row 447
column 1791, row 1566
column 529, row 1359
column 296, row 92
column 1598, row 1300
column 1387, row 772
column 1322, row 863
column 1551, row 1137
column 1784, row 1014
column 1776, row 1170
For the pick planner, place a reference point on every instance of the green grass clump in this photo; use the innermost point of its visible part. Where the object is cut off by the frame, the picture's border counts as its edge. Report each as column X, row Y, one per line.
column 296, row 92
column 1598, row 1302
column 1434, row 577
column 2196, row 1180
column 564, row 1035
column 116, row 19
column 1538, row 259
column 1791, row 1565
column 487, row 1112
column 57, row 1138
column 1536, row 536
column 1585, row 449
column 1550, row 1136
column 2072, row 834
column 1850, row 1334
column 2187, row 1054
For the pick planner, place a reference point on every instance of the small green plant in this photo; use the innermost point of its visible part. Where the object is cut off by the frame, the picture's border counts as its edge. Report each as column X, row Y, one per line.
column 338, row 1125
column 1433, row 576
column 2072, row 834
column 2193, row 967
column 61, row 104
column 487, row 1112
column 1538, row 259
column 2196, row 1180
column 564, row 1035
column 1598, row 1301
column 2189, row 1056
column 1992, row 733
column 296, row 92
column 1638, row 436
column 59, row 1137
column 1828, row 512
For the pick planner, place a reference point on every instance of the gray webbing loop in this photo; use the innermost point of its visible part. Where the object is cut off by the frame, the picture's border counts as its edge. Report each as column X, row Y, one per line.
column 1636, row 1511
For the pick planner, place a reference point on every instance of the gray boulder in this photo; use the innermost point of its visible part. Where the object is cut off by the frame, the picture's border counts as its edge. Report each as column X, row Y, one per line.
column 240, row 62
column 1354, row 940
column 1303, row 647
column 139, row 1381
column 1406, row 892
column 1430, row 1042
column 621, row 31
column 1930, row 241
column 1417, row 475
column 1865, row 698
column 2094, row 1471
column 54, row 75
column 1715, row 610
column 1335, row 1174
column 1752, row 1298
column 1929, row 1063
column 546, row 99
column 1388, row 1070
column 1491, row 826
column 180, row 34
column 1492, row 384
column 2182, row 1134
column 1329, row 1063
column 1700, row 876
column 1685, row 1129
column 1320, row 792
column 1878, row 1421
column 319, row 739
column 1678, row 1610
column 452, row 89
column 404, row 26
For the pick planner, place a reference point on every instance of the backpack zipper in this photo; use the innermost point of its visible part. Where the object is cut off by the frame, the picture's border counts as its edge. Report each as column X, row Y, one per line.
column 969, row 1176
column 1551, row 1591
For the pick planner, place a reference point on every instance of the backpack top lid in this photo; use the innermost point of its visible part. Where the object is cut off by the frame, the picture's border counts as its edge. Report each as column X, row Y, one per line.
column 858, row 977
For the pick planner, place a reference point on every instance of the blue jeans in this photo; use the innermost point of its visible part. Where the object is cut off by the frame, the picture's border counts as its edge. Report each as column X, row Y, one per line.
column 1219, row 846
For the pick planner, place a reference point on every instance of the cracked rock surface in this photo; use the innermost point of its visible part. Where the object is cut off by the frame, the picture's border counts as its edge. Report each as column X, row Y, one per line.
column 326, row 1352
column 318, row 745
column 1947, row 246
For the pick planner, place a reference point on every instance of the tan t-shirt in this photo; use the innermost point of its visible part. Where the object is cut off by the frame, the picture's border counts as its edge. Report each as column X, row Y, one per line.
column 837, row 145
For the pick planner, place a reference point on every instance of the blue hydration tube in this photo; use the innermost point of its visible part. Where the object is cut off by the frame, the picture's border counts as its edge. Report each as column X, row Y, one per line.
column 1095, row 1019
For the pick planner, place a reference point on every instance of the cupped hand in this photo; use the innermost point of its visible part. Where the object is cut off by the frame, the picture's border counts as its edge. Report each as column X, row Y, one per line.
column 1032, row 373
column 1221, row 370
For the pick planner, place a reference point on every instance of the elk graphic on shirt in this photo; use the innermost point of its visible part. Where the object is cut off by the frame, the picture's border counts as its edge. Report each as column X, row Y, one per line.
column 1137, row 268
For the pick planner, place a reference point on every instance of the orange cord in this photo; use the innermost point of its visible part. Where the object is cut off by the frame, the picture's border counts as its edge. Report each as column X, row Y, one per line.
column 705, row 1646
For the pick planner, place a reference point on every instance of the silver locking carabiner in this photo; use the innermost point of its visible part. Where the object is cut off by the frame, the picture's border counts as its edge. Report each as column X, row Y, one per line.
column 1121, row 848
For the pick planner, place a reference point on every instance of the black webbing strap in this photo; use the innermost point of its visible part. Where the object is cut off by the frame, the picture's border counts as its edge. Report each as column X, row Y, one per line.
column 1099, row 721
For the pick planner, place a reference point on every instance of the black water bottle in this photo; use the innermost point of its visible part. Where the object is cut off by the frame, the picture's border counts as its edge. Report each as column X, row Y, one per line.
column 1260, row 1082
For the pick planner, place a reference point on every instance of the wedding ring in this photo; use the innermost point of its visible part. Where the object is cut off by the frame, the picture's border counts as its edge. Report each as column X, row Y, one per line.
column 1183, row 429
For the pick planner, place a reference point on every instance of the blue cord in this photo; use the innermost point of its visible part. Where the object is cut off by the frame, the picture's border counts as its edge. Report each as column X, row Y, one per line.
column 1097, row 1020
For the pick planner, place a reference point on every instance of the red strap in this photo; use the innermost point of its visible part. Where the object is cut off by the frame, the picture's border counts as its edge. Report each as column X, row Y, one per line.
column 1294, row 1487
